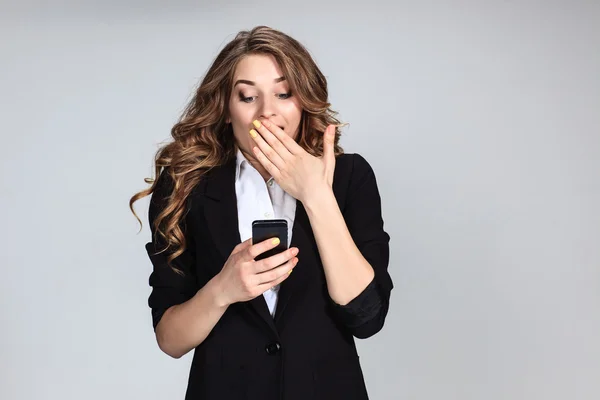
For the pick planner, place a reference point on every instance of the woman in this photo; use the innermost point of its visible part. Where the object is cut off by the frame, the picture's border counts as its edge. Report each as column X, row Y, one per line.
column 259, row 141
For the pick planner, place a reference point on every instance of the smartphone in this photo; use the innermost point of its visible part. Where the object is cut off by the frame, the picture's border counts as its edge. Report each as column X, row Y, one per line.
column 264, row 229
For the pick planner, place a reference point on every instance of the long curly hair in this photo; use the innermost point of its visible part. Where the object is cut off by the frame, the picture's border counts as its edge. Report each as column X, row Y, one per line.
column 203, row 140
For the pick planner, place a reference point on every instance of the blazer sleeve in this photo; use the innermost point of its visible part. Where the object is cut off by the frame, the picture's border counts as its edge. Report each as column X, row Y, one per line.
column 365, row 315
column 169, row 288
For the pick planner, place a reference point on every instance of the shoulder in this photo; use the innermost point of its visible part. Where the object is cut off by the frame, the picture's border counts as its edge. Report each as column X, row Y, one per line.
column 353, row 174
column 352, row 166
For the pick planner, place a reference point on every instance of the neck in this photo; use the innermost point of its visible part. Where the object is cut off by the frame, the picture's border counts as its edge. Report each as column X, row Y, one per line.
column 257, row 165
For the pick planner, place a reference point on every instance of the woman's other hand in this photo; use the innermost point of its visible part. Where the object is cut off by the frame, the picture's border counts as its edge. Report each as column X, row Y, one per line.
column 243, row 279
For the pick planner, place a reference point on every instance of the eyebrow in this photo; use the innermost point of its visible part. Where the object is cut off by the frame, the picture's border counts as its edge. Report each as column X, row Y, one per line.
column 252, row 83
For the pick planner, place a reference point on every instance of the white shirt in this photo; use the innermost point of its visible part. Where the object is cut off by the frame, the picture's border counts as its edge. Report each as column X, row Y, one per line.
column 257, row 199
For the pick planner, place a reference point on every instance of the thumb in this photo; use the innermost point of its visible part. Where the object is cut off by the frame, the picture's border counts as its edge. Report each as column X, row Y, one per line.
column 328, row 143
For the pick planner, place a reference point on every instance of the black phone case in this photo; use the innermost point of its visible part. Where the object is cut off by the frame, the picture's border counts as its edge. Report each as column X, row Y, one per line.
column 264, row 229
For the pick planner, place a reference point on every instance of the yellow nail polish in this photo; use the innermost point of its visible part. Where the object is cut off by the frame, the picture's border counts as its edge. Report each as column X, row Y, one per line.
column 256, row 123
column 289, row 273
column 275, row 241
column 253, row 133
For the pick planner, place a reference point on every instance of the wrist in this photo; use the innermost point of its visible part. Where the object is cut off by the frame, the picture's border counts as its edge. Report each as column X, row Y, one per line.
column 316, row 198
column 218, row 292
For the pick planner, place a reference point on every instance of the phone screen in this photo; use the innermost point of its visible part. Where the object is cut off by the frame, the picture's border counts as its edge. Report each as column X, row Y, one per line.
column 267, row 229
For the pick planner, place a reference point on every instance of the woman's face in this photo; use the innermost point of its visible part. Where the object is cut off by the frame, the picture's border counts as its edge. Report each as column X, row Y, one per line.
column 260, row 91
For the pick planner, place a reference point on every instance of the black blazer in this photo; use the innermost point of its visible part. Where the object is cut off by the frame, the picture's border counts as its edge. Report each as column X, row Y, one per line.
column 307, row 350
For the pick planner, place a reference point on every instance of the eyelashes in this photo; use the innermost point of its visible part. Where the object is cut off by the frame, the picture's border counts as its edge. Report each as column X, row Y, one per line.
column 250, row 99
column 246, row 99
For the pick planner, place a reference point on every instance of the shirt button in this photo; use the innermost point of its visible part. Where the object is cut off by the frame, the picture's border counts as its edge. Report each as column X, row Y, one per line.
column 268, row 215
column 270, row 183
column 273, row 348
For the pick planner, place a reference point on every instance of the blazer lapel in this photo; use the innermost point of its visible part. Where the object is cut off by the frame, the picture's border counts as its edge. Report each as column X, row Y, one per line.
column 220, row 211
column 306, row 270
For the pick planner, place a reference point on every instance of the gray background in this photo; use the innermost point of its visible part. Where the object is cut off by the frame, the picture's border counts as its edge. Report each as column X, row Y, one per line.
column 481, row 120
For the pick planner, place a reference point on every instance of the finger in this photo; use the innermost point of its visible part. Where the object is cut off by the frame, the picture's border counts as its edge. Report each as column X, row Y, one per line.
column 266, row 148
column 242, row 246
column 289, row 143
column 269, row 166
column 271, row 277
column 273, row 135
column 255, row 250
column 275, row 260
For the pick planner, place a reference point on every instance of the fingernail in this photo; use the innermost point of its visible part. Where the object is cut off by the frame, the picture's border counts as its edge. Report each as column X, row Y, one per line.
column 256, row 123
column 253, row 133
column 295, row 251
column 275, row 241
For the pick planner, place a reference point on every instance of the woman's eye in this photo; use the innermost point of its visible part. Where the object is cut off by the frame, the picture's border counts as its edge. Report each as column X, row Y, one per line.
column 247, row 99
column 250, row 99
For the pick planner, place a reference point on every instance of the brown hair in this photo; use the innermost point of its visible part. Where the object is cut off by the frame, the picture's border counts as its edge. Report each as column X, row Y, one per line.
column 203, row 140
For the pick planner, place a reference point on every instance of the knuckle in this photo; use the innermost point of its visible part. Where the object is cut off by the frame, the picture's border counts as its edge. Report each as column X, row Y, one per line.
column 247, row 286
column 283, row 260
column 252, row 253
column 258, row 266
column 264, row 266
column 246, row 272
column 276, row 274
column 269, row 276
column 280, row 262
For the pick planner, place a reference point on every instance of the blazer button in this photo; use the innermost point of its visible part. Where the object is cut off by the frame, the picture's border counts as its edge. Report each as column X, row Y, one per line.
column 273, row 348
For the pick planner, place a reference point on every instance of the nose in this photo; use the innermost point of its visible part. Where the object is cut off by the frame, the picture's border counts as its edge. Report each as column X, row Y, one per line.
column 267, row 107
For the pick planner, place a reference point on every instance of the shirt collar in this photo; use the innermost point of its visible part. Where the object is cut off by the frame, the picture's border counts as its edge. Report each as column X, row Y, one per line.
column 241, row 162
